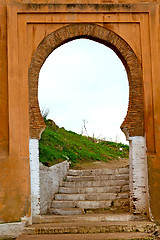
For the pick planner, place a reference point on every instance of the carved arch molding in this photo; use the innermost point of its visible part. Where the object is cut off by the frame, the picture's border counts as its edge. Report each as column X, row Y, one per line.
column 133, row 124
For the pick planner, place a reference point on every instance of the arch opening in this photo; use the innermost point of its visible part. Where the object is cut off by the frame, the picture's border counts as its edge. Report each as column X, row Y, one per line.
column 133, row 125
column 93, row 76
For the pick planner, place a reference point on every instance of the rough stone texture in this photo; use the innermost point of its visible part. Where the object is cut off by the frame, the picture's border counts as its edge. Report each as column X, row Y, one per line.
column 65, row 203
column 96, row 177
column 113, row 189
column 138, row 175
column 98, row 172
column 90, row 236
column 35, row 182
column 122, row 223
column 109, row 217
column 90, row 227
column 80, row 204
column 95, row 183
column 12, row 230
column 50, row 180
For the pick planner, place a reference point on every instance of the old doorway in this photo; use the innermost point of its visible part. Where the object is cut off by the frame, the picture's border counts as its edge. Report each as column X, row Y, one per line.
column 133, row 123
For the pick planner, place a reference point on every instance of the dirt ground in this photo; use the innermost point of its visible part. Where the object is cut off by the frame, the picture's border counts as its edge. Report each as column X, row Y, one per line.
column 117, row 163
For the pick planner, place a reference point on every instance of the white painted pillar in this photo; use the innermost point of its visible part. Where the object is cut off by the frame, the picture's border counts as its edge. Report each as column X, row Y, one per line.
column 34, row 171
column 139, row 198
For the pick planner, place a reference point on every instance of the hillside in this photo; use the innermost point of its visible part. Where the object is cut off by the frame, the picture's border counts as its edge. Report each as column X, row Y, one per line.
column 57, row 144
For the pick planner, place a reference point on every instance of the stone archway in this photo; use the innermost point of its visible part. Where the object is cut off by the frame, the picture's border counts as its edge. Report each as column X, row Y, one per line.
column 133, row 125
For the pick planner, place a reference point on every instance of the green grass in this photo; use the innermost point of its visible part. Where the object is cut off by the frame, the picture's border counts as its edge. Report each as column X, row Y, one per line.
column 57, row 144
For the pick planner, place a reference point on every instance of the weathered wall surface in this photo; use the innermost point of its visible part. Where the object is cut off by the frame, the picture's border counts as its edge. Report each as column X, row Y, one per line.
column 12, row 230
column 44, row 180
column 20, row 34
column 14, row 182
column 34, row 173
column 138, row 175
column 50, row 179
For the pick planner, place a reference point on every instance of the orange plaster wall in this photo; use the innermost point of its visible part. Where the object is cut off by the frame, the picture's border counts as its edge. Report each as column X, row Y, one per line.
column 14, row 166
column 3, row 84
column 14, row 169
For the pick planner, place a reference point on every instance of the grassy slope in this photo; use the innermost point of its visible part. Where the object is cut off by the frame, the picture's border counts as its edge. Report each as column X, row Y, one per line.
column 58, row 144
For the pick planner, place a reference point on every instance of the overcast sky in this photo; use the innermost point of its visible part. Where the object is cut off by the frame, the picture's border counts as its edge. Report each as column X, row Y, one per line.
column 85, row 80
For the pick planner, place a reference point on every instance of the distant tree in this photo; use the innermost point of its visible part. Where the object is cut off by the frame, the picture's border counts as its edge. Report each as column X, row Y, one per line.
column 84, row 128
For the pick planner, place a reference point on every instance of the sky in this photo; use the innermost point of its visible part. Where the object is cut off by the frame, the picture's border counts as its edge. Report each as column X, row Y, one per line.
column 85, row 81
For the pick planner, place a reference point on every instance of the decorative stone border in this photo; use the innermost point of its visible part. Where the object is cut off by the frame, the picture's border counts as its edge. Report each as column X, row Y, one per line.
column 133, row 124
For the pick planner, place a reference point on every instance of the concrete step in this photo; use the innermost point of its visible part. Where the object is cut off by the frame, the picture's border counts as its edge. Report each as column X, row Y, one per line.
column 125, row 188
column 6, row 237
column 98, row 189
column 98, row 172
column 110, row 189
column 91, row 196
column 98, row 178
column 90, row 227
column 117, row 203
column 89, row 236
column 85, row 184
column 91, row 217
column 66, row 211
column 81, row 204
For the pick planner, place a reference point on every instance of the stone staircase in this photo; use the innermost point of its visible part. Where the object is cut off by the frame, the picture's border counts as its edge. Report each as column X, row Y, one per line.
column 90, row 230
column 91, row 205
column 86, row 190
